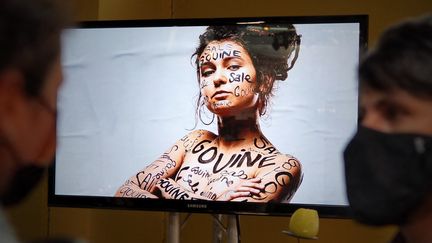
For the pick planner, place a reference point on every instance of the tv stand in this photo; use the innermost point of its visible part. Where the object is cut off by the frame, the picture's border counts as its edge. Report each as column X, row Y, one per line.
column 174, row 227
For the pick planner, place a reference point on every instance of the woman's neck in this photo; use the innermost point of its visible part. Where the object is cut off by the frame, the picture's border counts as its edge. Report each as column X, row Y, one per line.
column 237, row 130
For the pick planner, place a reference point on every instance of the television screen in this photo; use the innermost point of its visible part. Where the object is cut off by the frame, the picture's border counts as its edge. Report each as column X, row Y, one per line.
column 221, row 116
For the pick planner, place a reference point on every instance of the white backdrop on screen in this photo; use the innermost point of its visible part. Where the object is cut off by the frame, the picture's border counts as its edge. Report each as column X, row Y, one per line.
column 129, row 94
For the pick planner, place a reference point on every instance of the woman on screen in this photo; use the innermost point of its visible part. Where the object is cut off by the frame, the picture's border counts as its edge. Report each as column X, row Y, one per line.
column 237, row 67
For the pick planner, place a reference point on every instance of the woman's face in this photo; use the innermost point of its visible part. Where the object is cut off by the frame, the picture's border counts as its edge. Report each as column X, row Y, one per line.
column 227, row 78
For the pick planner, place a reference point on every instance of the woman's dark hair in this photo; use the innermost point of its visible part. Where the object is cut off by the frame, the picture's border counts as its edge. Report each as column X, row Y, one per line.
column 269, row 46
column 30, row 38
column 402, row 59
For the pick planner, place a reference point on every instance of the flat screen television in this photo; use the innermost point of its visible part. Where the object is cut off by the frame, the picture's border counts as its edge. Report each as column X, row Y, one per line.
column 143, row 123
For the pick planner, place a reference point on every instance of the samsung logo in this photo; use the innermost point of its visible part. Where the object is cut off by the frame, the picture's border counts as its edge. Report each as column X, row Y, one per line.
column 196, row 205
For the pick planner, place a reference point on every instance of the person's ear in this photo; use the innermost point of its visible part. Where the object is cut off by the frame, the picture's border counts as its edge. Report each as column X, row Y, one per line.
column 11, row 91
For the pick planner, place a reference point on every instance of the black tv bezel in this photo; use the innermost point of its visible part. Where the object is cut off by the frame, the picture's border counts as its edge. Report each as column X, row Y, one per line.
column 212, row 207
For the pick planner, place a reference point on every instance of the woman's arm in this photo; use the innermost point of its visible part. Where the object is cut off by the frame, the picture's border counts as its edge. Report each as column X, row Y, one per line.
column 243, row 188
column 130, row 189
column 172, row 190
column 279, row 181
column 143, row 183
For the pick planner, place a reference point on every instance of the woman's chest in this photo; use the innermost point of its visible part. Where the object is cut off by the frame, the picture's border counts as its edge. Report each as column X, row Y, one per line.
column 209, row 170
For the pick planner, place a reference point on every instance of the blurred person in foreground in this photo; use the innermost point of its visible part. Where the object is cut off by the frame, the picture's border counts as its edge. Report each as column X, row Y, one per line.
column 389, row 161
column 30, row 75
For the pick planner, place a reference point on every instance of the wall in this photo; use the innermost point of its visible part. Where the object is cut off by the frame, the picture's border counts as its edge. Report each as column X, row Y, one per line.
column 33, row 219
column 381, row 13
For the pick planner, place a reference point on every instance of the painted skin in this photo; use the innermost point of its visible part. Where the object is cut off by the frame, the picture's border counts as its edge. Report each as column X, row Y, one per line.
column 238, row 164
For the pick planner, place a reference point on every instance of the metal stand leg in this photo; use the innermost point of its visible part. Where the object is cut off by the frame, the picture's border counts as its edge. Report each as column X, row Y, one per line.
column 218, row 228
column 232, row 229
column 174, row 228
column 173, row 232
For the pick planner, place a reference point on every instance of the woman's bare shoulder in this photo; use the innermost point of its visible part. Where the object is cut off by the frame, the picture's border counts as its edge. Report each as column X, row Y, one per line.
column 201, row 133
column 288, row 162
column 193, row 138
column 282, row 158
column 283, row 161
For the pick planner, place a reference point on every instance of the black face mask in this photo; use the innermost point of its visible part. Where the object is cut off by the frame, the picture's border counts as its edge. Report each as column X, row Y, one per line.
column 387, row 175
